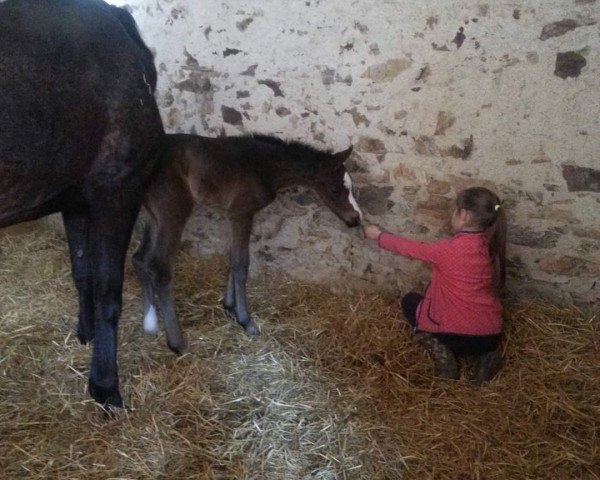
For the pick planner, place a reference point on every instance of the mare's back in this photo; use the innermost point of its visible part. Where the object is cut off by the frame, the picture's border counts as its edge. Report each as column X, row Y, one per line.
column 72, row 76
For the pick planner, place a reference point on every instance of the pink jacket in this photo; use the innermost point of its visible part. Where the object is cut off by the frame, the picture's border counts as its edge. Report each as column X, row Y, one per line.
column 459, row 298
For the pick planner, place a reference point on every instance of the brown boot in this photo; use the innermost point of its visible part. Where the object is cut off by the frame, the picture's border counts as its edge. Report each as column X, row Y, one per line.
column 425, row 340
column 486, row 367
column 444, row 360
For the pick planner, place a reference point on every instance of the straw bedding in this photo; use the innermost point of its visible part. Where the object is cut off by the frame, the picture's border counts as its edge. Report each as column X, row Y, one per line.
column 334, row 388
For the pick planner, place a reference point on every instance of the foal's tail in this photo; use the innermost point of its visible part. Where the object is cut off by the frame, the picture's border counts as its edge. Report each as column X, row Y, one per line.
column 159, row 161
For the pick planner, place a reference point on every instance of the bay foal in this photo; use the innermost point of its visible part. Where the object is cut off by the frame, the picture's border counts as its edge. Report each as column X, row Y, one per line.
column 240, row 175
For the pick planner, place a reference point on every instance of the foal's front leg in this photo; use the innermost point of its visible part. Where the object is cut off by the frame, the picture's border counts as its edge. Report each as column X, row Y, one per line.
column 239, row 261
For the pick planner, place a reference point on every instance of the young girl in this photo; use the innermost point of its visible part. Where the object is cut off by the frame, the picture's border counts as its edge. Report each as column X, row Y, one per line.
column 460, row 311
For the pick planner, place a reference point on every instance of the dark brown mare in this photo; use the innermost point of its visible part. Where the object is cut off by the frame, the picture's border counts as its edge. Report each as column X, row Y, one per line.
column 240, row 175
column 78, row 125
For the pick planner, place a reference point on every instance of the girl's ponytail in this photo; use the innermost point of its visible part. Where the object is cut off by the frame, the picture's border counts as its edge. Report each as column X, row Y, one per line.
column 488, row 214
column 497, row 248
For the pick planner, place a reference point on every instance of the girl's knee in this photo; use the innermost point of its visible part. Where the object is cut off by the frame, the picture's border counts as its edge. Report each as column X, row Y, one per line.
column 409, row 304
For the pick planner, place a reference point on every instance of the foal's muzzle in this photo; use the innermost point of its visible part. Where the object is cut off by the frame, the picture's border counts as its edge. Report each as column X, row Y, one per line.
column 354, row 221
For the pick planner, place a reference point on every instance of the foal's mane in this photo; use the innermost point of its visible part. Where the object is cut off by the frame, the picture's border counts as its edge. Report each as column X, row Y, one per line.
column 294, row 153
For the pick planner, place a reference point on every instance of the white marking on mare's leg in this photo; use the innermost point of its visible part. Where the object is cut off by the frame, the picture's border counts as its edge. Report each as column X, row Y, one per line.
column 351, row 199
column 151, row 321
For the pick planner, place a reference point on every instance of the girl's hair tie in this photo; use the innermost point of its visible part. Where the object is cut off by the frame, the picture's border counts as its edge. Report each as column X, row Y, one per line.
column 498, row 205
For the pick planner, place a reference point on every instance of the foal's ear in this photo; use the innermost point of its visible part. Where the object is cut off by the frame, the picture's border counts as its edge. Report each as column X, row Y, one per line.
column 341, row 157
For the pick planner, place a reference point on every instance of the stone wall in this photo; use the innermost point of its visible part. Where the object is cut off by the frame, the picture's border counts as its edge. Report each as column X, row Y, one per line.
column 435, row 96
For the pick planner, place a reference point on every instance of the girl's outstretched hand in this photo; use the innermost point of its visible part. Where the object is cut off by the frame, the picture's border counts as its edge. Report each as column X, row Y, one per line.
column 372, row 232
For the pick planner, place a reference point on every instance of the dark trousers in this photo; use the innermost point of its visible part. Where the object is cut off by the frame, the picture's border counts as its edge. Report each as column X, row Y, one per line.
column 459, row 344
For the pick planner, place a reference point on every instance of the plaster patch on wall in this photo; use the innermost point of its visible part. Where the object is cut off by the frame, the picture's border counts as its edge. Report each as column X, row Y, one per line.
column 339, row 73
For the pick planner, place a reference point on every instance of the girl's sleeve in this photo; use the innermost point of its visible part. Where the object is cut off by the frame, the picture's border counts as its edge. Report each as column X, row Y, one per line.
column 427, row 252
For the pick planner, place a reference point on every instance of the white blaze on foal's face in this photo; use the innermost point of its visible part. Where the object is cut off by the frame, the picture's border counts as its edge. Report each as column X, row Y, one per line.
column 351, row 199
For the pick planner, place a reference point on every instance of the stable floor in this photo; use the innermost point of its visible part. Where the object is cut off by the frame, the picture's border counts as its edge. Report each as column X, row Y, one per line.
column 334, row 388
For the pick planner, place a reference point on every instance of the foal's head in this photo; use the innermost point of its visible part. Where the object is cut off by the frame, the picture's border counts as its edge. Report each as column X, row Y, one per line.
column 334, row 186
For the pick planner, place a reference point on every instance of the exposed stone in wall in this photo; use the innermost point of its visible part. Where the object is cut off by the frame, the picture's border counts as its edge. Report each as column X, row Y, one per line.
column 370, row 145
column 444, row 121
column 568, row 265
column 231, row 115
column 434, row 97
column 569, row 64
column 374, row 200
column 581, row 179
column 385, row 72
column 437, row 207
column 438, row 187
column 463, row 152
column 528, row 237
column 556, row 29
column 273, row 85
column 587, row 232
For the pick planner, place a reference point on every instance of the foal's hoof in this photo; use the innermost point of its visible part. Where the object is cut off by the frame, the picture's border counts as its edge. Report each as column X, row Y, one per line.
column 109, row 398
column 251, row 328
column 178, row 347
column 230, row 312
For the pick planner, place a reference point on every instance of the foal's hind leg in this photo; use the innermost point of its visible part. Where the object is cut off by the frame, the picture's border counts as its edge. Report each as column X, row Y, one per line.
column 165, row 237
column 229, row 298
column 140, row 265
column 239, row 263
column 76, row 224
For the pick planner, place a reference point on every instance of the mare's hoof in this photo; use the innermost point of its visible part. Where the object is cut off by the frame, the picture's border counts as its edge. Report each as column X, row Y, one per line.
column 251, row 328
column 109, row 398
column 85, row 334
column 178, row 348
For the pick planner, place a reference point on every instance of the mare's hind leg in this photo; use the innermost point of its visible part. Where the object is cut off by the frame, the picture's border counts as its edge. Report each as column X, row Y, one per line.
column 239, row 263
column 110, row 231
column 140, row 264
column 76, row 224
